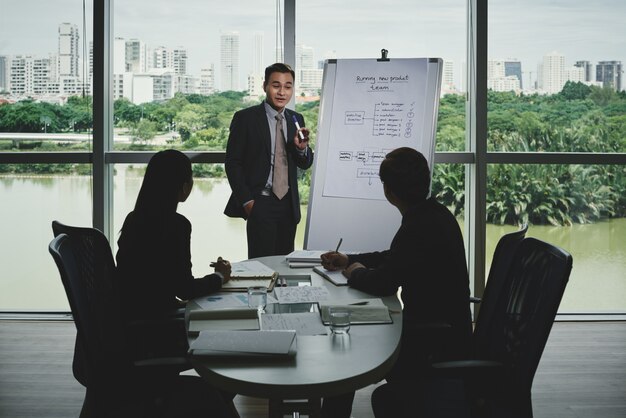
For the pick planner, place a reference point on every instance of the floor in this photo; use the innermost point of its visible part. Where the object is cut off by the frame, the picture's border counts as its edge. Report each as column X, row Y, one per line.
column 582, row 373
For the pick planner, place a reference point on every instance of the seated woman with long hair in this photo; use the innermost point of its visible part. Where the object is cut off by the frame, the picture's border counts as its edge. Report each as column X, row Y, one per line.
column 154, row 255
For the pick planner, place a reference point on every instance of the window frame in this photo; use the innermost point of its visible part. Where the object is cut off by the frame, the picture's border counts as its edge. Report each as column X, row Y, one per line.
column 476, row 159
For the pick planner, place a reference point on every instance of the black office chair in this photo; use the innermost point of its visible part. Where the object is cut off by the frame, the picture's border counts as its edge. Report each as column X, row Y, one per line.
column 116, row 383
column 141, row 335
column 497, row 383
column 500, row 263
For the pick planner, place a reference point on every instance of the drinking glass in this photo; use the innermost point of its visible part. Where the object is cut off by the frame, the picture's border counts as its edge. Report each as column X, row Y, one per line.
column 339, row 320
column 257, row 297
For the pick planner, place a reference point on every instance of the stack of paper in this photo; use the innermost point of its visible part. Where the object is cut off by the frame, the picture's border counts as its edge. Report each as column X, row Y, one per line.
column 304, row 258
column 362, row 311
column 223, row 319
column 305, row 255
column 244, row 343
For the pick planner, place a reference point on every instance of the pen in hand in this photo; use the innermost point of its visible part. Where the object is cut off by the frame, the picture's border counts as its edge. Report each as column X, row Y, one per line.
column 339, row 245
column 295, row 121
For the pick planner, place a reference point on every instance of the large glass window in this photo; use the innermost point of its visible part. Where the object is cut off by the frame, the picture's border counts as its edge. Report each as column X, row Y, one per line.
column 180, row 71
column 45, row 94
column 555, row 84
column 555, row 77
column 45, row 107
column 33, row 195
column 579, row 208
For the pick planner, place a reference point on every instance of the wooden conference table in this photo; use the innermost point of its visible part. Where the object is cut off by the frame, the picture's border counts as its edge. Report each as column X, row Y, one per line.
column 324, row 365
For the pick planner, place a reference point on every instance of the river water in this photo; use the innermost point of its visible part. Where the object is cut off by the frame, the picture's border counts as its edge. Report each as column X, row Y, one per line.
column 29, row 279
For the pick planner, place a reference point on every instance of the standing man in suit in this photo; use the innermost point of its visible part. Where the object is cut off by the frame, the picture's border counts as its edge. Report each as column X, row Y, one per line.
column 264, row 150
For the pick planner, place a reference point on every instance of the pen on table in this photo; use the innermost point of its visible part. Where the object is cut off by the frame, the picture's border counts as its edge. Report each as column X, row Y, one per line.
column 339, row 245
column 295, row 120
column 365, row 302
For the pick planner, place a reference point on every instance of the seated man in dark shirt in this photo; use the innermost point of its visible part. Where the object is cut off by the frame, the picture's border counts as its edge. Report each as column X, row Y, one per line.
column 427, row 260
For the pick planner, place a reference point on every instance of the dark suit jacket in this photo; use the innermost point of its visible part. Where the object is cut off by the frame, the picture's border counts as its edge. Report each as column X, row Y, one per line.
column 154, row 266
column 426, row 258
column 248, row 158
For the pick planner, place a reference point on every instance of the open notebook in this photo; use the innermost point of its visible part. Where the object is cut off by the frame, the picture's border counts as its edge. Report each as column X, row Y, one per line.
column 250, row 273
column 336, row 277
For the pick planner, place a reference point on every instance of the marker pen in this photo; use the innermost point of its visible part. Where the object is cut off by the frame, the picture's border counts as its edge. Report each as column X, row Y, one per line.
column 295, row 120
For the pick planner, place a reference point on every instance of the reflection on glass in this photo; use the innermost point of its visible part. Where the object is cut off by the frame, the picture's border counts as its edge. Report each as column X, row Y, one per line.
column 30, row 279
column 579, row 208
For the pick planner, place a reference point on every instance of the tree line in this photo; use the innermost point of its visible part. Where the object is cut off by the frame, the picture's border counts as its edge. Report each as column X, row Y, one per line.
column 578, row 119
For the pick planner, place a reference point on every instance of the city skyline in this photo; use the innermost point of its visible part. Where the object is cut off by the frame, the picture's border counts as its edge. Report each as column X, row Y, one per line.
column 516, row 30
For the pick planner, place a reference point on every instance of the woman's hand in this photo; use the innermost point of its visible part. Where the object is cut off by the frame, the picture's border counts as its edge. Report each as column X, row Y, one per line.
column 222, row 266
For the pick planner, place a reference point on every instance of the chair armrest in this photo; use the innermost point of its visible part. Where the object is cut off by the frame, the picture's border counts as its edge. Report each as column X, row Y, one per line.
column 469, row 369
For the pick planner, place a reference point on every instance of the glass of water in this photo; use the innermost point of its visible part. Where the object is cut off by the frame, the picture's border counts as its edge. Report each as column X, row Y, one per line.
column 339, row 320
column 257, row 297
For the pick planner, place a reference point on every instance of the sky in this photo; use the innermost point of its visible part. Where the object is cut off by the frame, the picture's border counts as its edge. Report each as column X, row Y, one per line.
column 525, row 29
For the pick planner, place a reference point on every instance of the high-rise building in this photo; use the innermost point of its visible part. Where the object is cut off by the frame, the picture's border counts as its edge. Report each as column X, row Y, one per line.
column 258, row 66
column 179, row 60
column 207, row 80
column 308, row 78
column 68, row 50
column 119, row 56
column 504, row 75
column 159, row 57
column 30, row 76
column 136, row 58
column 172, row 58
column 609, row 73
column 553, row 73
column 588, row 68
column 4, row 72
column 229, row 61
column 304, row 57
column 255, row 86
column 447, row 76
column 513, row 68
column 575, row 74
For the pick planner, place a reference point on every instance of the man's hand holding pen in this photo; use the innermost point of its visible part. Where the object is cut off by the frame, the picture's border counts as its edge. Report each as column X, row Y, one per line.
column 333, row 260
column 301, row 140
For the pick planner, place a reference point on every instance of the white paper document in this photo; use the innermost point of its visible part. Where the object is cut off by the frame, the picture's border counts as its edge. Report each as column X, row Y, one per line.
column 250, row 268
column 244, row 343
column 301, row 294
column 231, row 300
column 305, row 255
column 228, row 301
column 223, row 319
column 304, row 323
column 362, row 311
column 336, row 277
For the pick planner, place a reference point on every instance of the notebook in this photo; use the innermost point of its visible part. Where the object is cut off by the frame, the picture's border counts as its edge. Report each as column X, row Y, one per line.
column 336, row 277
column 244, row 343
column 250, row 273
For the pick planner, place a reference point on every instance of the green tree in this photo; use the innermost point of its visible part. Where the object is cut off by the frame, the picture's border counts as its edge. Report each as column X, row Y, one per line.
column 144, row 130
column 575, row 91
column 189, row 120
